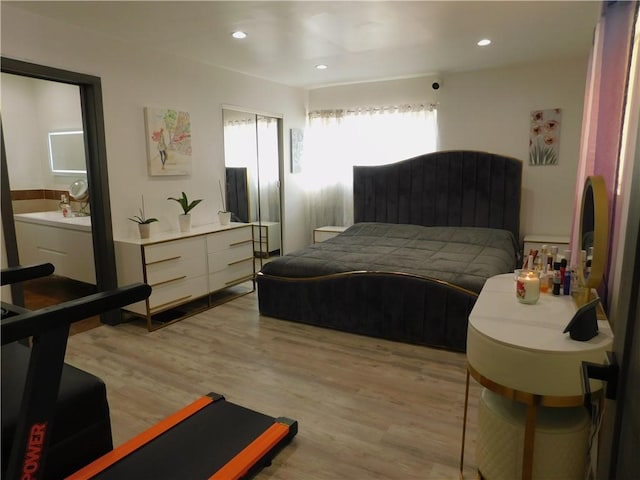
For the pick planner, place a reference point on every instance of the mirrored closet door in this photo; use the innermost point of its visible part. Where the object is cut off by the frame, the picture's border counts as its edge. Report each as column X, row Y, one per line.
column 252, row 160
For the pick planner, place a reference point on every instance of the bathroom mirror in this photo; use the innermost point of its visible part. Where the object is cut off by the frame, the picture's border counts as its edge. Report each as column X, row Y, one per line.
column 594, row 229
column 66, row 153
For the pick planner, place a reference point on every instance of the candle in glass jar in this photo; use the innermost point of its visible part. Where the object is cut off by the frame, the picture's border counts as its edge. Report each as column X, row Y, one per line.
column 528, row 286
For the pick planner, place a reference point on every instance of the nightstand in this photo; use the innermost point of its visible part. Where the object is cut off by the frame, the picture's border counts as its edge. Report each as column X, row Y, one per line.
column 535, row 242
column 321, row 234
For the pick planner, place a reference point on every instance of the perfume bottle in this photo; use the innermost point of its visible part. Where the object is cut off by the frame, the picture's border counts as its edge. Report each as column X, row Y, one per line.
column 65, row 206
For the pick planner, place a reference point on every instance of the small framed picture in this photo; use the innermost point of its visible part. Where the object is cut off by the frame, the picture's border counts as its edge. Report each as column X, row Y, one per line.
column 297, row 145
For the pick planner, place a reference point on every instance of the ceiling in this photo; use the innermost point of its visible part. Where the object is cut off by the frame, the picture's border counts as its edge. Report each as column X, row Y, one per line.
column 358, row 41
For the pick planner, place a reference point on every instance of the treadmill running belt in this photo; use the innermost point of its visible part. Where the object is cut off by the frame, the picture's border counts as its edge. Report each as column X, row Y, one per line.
column 195, row 448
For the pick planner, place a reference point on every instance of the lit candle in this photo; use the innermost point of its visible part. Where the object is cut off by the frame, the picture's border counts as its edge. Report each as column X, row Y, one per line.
column 528, row 287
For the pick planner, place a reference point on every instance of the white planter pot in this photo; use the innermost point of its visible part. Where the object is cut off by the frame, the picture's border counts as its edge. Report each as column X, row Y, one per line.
column 185, row 222
column 144, row 229
column 224, row 218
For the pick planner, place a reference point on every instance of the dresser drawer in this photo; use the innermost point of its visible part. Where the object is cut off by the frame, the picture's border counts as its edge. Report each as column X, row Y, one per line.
column 175, row 268
column 235, row 273
column 177, row 292
column 161, row 252
column 229, row 238
column 225, row 258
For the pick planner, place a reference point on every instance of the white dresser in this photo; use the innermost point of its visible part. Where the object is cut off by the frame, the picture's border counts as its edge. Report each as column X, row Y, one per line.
column 184, row 267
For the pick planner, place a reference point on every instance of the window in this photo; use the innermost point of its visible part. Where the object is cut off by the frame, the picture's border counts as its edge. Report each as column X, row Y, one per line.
column 336, row 140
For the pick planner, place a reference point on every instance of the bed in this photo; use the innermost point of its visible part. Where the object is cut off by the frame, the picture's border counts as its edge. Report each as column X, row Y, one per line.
column 427, row 233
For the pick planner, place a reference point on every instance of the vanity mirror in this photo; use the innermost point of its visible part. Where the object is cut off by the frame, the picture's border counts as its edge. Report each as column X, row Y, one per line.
column 79, row 191
column 594, row 234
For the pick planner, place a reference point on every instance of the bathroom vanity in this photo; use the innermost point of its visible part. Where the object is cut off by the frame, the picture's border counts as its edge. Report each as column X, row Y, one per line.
column 66, row 242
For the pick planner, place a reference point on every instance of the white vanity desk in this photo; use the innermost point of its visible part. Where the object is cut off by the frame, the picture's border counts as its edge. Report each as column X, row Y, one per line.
column 519, row 352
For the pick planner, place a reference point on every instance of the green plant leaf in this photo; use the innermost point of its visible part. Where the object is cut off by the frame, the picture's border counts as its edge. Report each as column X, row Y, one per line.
column 141, row 218
column 184, row 202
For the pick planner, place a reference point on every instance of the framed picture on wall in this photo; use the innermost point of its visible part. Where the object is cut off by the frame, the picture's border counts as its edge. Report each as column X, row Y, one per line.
column 297, row 140
column 168, row 141
column 544, row 137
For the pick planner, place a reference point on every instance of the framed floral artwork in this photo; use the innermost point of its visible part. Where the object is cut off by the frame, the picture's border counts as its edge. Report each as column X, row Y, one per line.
column 544, row 137
column 168, row 141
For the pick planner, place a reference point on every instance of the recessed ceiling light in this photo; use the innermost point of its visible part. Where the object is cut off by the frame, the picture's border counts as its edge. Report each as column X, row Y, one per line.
column 239, row 34
column 321, row 66
column 484, row 42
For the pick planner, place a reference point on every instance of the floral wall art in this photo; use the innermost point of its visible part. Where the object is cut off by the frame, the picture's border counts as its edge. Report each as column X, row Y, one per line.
column 168, row 141
column 544, row 137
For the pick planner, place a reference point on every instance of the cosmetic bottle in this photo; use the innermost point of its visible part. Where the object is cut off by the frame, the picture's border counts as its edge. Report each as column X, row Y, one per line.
column 556, row 278
column 568, row 281
column 544, row 257
column 563, row 274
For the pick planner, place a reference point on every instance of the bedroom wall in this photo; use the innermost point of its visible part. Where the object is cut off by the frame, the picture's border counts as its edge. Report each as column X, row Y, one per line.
column 133, row 79
column 489, row 110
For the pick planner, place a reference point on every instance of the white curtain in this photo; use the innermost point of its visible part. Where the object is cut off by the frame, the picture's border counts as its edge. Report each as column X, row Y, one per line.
column 269, row 175
column 336, row 140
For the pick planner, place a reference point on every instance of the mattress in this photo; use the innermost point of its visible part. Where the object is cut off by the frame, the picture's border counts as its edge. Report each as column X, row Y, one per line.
column 462, row 256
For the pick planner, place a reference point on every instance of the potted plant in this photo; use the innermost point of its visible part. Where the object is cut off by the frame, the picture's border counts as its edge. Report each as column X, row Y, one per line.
column 185, row 218
column 144, row 223
column 224, row 217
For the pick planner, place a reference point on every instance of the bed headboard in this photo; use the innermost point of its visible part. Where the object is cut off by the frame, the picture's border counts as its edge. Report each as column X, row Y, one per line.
column 453, row 188
column 238, row 192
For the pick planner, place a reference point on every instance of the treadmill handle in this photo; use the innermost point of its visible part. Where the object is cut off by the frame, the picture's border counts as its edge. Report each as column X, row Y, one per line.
column 22, row 273
column 37, row 321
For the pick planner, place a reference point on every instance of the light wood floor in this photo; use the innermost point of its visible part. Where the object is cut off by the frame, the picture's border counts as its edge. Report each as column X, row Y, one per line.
column 366, row 408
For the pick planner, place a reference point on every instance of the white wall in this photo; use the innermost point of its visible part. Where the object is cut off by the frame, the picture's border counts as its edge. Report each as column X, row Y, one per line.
column 489, row 110
column 132, row 79
column 31, row 108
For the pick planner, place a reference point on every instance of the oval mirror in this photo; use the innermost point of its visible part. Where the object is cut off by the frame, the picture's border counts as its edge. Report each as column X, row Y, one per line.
column 594, row 229
column 79, row 191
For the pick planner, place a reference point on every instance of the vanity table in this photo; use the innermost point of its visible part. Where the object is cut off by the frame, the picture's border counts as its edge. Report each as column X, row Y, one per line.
column 520, row 353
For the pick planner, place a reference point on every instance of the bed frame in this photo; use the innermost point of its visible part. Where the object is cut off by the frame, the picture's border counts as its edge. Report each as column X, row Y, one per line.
column 452, row 188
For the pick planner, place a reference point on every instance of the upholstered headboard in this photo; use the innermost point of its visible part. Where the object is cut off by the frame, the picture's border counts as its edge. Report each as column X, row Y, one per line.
column 238, row 193
column 453, row 188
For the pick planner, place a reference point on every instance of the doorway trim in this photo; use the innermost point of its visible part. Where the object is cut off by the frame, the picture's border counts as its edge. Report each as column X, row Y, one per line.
column 97, row 174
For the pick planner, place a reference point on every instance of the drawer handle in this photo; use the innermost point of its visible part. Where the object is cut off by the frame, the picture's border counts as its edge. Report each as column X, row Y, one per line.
column 239, row 280
column 244, row 242
column 165, row 260
column 50, row 250
column 169, row 281
column 240, row 261
column 177, row 300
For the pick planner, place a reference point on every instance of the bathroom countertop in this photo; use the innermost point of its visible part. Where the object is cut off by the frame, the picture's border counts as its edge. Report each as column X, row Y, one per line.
column 55, row 219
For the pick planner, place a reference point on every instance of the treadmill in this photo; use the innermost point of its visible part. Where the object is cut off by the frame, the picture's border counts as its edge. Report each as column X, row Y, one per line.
column 208, row 439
